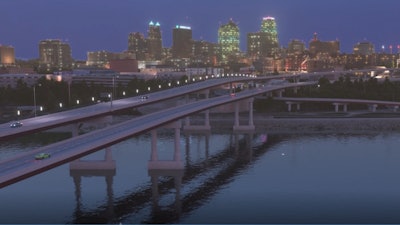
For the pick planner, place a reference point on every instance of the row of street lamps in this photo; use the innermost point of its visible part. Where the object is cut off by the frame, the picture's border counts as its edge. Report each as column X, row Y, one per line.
column 111, row 95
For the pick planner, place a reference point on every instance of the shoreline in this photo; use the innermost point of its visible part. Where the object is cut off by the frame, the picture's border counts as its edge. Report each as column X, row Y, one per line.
column 309, row 124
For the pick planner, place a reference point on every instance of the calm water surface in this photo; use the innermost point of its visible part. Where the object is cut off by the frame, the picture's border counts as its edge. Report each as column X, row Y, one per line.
column 228, row 178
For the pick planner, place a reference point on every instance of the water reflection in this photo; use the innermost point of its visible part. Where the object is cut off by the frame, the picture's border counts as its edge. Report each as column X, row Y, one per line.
column 94, row 168
column 173, row 191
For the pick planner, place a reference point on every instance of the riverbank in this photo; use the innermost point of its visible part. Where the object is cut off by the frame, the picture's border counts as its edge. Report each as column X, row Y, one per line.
column 317, row 123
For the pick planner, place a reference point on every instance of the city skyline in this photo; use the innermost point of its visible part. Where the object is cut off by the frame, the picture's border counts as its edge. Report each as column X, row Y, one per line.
column 94, row 25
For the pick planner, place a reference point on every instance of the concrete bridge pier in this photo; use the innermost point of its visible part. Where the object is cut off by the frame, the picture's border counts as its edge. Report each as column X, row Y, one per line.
column 337, row 105
column 250, row 126
column 372, row 107
column 174, row 164
column 289, row 104
column 279, row 93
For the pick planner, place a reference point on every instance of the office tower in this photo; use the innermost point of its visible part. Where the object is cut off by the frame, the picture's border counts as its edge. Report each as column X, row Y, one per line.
column 181, row 42
column 154, row 41
column 228, row 39
column 137, row 45
column 255, row 45
column 270, row 37
column 7, row 55
column 54, row 55
column 331, row 48
column 364, row 48
column 205, row 52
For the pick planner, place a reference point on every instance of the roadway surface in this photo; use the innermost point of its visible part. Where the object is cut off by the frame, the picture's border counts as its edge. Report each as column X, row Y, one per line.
column 25, row 165
column 62, row 118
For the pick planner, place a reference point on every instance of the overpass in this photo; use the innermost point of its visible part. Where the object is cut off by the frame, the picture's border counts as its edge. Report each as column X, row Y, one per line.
column 337, row 102
column 24, row 165
column 89, row 112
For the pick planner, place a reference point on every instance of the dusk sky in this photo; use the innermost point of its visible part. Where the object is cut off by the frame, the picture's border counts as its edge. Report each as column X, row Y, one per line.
column 93, row 25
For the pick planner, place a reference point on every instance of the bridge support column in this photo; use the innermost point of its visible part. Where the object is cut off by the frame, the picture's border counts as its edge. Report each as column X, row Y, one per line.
column 289, row 104
column 336, row 107
column 373, row 107
column 176, row 163
column 250, row 126
column 345, row 107
column 280, row 93
column 395, row 108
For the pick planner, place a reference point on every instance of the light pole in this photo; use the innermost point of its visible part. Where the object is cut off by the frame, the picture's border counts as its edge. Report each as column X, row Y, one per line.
column 34, row 98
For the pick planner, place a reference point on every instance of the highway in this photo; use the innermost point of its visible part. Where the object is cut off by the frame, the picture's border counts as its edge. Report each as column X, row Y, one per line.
column 61, row 118
column 24, row 165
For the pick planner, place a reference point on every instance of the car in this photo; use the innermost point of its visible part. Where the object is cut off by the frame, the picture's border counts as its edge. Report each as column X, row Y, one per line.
column 233, row 94
column 42, row 155
column 16, row 124
column 144, row 97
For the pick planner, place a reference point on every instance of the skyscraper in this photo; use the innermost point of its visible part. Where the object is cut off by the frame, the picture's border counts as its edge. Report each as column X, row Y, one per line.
column 228, row 39
column 54, row 55
column 181, row 41
column 137, row 45
column 154, row 41
column 270, row 39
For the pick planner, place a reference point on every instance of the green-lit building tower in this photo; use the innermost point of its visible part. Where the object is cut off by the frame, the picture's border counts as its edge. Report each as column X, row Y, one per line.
column 228, row 39
column 270, row 37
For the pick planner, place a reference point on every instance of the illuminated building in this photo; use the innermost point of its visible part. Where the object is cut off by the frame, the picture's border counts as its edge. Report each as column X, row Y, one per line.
column 204, row 52
column 228, row 39
column 54, row 55
column 100, row 58
column 263, row 43
column 296, row 47
column 181, row 42
column 270, row 40
column 154, row 41
column 7, row 55
column 254, row 45
column 330, row 48
column 364, row 48
column 137, row 44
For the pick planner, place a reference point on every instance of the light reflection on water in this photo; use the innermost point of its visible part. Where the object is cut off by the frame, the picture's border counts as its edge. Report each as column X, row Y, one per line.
column 228, row 178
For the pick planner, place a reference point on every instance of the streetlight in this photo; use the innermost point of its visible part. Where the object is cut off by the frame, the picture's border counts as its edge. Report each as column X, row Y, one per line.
column 18, row 113
column 34, row 98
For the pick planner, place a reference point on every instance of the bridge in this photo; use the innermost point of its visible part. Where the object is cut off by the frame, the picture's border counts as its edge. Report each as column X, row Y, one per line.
column 94, row 111
column 24, row 165
column 337, row 102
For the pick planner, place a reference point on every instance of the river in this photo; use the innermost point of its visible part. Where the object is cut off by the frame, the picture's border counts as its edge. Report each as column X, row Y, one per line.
column 260, row 177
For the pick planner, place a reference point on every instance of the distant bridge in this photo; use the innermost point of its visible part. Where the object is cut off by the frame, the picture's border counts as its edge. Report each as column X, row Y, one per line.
column 337, row 102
